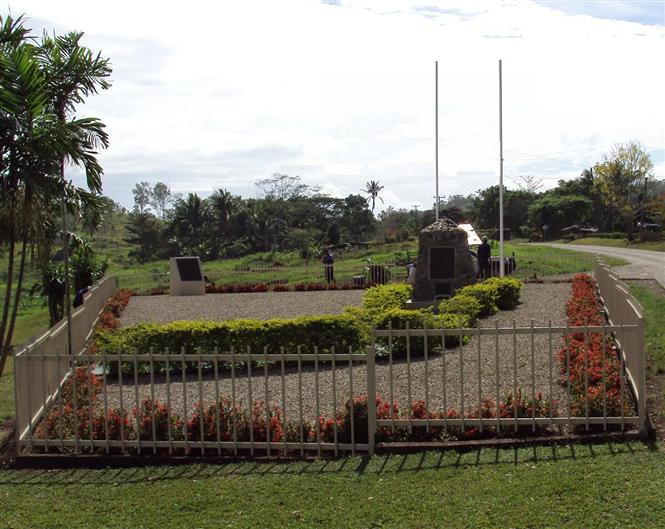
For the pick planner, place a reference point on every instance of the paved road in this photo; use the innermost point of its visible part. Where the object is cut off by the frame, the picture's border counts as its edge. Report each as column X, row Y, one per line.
column 643, row 263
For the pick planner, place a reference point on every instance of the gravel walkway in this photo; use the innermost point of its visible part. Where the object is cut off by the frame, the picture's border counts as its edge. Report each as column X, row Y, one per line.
column 261, row 305
column 541, row 303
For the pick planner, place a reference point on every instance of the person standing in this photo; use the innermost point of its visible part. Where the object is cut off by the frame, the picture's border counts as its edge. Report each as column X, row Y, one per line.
column 328, row 261
column 484, row 259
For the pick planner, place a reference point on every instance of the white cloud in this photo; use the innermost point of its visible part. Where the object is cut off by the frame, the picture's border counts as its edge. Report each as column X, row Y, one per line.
column 222, row 94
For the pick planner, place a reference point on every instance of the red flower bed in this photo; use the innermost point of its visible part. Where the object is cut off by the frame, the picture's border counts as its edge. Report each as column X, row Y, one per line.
column 589, row 361
column 279, row 287
column 110, row 317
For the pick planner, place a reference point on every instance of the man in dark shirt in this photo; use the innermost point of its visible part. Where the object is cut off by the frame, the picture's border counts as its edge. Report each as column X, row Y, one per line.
column 328, row 261
column 484, row 259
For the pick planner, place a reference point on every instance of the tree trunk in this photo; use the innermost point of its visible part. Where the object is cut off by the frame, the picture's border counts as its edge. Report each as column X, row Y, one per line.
column 19, row 284
column 8, row 290
column 17, row 298
column 4, row 349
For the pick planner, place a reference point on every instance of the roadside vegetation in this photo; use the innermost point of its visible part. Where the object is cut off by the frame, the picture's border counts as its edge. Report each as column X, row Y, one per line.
column 658, row 246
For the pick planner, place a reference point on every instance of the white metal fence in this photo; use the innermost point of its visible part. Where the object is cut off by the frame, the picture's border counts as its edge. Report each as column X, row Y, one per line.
column 235, row 403
column 36, row 388
column 623, row 309
column 425, row 385
column 295, row 404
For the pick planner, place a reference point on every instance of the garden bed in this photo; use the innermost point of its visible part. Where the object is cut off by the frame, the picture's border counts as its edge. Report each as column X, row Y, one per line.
column 541, row 303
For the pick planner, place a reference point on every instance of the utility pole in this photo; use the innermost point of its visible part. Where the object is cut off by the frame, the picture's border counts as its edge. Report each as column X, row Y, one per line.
column 502, row 267
column 436, row 132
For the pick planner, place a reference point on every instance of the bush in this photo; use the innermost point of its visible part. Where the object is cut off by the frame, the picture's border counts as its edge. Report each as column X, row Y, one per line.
column 610, row 235
column 340, row 331
column 487, row 296
column 421, row 319
column 382, row 298
column 461, row 304
column 509, row 291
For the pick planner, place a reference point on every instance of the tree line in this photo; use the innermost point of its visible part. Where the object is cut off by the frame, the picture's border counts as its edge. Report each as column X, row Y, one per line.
column 287, row 215
column 618, row 194
column 612, row 196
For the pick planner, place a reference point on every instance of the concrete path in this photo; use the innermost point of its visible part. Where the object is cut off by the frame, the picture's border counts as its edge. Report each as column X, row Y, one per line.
column 643, row 263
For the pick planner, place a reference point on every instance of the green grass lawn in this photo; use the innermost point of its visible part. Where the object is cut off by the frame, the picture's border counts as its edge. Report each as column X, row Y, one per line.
column 654, row 309
column 610, row 485
column 613, row 485
column 620, row 243
column 541, row 261
column 7, row 391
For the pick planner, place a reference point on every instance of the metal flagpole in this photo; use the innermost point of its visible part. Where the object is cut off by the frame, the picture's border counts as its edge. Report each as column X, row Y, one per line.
column 436, row 132
column 502, row 270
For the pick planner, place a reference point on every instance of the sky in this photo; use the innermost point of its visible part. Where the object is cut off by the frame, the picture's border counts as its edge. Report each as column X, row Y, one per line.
column 210, row 95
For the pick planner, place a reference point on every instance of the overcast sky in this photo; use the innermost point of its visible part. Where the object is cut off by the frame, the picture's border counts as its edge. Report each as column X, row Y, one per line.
column 221, row 94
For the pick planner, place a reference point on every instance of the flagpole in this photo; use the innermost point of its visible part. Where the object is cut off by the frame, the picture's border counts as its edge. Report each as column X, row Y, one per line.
column 436, row 132
column 501, row 257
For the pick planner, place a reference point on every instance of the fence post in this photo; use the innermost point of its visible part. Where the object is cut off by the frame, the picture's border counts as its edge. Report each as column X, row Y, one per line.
column 370, row 351
column 641, row 378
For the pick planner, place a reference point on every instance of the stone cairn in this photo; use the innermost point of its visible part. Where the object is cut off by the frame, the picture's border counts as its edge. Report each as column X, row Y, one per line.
column 444, row 262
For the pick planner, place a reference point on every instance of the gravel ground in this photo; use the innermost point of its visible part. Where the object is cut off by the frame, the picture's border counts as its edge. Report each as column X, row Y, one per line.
column 261, row 305
column 541, row 303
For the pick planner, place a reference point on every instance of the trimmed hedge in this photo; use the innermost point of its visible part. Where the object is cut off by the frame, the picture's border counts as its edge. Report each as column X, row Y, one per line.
column 341, row 331
column 421, row 319
column 381, row 298
column 509, row 291
column 487, row 296
column 382, row 306
column 461, row 304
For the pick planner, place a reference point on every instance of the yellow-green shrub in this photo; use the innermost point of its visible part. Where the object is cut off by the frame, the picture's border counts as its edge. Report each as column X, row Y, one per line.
column 487, row 296
column 421, row 319
column 340, row 331
column 461, row 304
column 381, row 298
column 509, row 291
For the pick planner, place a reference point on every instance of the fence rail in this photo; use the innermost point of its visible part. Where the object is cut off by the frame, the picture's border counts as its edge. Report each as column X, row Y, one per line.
column 184, row 403
column 408, row 387
column 293, row 403
column 623, row 309
column 35, row 389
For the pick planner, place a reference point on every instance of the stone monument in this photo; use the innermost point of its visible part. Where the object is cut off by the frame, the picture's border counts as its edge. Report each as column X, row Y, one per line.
column 186, row 277
column 444, row 263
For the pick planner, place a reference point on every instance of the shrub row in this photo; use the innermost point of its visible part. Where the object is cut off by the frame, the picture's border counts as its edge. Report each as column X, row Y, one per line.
column 383, row 306
column 339, row 331
column 589, row 362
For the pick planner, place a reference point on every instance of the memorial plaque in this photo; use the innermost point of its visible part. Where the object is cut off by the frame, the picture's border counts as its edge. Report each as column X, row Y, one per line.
column 442, row 263
column 189, row 269
column 443, row 289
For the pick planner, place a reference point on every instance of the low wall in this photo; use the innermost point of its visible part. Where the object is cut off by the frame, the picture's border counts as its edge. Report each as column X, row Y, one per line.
column 623, row 309
column 37, row 382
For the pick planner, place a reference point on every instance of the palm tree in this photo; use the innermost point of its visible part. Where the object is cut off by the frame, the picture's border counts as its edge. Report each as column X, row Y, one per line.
column 41, row 84
column 191, row 219
column 73, row 74
column 372, row 188
column 223, row 207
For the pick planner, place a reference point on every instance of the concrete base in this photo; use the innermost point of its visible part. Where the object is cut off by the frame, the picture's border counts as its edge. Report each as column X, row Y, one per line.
column 178, row 287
